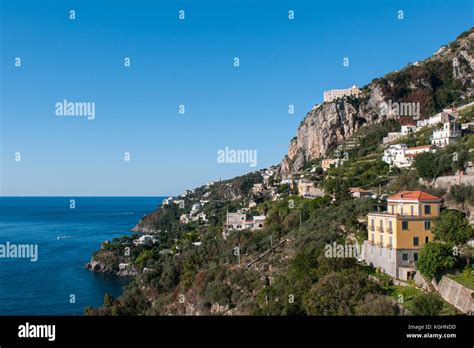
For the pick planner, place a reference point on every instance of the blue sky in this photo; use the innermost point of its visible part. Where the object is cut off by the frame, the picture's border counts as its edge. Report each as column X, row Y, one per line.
column 186, row 62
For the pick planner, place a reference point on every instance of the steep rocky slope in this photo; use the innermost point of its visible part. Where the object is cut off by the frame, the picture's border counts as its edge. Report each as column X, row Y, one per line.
column 435, row 83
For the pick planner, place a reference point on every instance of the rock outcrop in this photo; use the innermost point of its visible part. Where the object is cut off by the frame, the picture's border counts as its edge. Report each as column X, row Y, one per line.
column 328, row 125
column 434, row 84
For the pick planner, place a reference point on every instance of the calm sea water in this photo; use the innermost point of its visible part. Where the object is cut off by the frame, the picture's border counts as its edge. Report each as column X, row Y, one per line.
column 45, row 287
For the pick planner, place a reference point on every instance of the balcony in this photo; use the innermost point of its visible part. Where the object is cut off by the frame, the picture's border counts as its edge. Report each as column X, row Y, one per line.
column 381, row 229
column 372, row 228
column 389, row 246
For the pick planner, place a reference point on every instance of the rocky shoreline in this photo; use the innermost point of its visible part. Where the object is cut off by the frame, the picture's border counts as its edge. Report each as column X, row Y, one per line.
column 124, row 269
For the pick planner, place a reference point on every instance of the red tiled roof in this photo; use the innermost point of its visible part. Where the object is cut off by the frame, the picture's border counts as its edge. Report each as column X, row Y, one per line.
column 413, row 195
column 420, row 147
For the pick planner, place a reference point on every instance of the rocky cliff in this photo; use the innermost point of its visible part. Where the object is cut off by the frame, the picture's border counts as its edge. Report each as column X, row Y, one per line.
column 435, row 83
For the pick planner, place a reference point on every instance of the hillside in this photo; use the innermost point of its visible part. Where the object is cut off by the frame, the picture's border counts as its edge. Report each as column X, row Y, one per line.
column 435, row 83
column 187, row 257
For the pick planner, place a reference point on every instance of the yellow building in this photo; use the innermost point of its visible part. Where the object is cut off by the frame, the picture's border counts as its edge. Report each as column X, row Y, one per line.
column 396, row 236
column 308, row 189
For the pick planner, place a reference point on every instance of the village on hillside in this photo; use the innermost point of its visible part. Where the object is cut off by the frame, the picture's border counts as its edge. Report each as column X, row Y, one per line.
column 387, row 211
column 396, row 230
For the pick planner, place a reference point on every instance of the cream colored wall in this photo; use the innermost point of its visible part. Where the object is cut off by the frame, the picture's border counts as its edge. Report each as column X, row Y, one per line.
column 385, row 224
column 418, row 209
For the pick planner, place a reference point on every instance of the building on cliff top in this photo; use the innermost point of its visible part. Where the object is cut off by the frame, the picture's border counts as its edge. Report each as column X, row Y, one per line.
column 334, row 94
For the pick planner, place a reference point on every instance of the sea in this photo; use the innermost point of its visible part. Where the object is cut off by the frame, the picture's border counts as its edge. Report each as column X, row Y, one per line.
column 65, row 231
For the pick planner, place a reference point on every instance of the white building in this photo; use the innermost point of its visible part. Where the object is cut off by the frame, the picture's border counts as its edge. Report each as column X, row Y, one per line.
column 407, row 129
column 168, row 201
column 200, row 217
column 413, row 151
column 145, row 240
column 395, row 156
column 334, row 94
column 287, row 182
column 257, row 188
column 183, row 219
column 332, row 163
column 401, row 156
column 238, row 221
column 441, row 116
column 358, row 192
column 448, row 133
column 235, row 221
column 195, row 208
column 258, row 222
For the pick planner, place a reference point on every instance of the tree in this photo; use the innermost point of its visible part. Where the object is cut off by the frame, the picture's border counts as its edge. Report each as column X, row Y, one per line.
column 374, row 304
column 452, row 226
column 458, row 193
column 337, row 293
column 434, row 258
column 462, row 194
column 427, row 165
column 427, row 304
column 467, row 251
column 339, row 188
column 108, row 300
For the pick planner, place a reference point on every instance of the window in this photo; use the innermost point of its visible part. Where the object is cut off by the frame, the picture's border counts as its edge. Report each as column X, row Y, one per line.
column 390, row 226
column 405, row 225
column 392, row 208
column 427, row 209
column 415, row 256
column 405, row 257
column 390, row 241
column 381, row 239
column 373, row 237
column 427, row 225
column 416, row 241
column 412, row 212
column 427, row 239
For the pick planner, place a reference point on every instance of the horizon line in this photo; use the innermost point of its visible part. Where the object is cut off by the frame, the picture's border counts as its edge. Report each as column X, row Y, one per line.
column 68, row 196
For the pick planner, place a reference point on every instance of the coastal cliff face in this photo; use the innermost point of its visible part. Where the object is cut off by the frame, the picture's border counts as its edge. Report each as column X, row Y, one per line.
column 326, row 126
column 433, row 84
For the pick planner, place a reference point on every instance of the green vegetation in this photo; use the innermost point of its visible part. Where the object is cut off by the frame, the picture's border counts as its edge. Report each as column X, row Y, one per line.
column 406, row 296
column 462, row 194
column 427, row 304
column 195, row 268
column 464, row 279
column 445, row 161
column 452, row 227
column 434, row 258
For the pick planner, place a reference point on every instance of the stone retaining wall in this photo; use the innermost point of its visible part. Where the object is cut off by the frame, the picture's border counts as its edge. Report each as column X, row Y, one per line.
column 456, row 294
